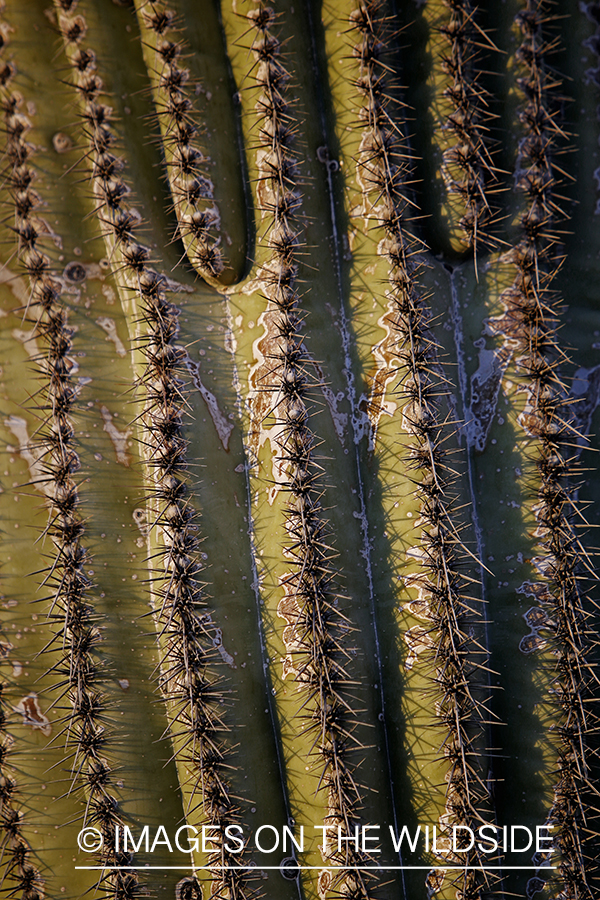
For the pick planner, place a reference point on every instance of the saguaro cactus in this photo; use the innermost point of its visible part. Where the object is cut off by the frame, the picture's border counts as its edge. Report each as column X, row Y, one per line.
column 299, row 343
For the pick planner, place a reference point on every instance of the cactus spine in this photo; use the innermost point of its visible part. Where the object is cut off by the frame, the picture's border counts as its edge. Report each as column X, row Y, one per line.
column 325, row 559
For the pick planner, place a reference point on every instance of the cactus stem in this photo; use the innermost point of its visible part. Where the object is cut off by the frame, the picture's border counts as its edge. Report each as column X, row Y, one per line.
column 467, row 168
column 185, row 630
column 383, row 174
column 529, row 328
column 191, row 188
column 70, row 611
column 316, row 631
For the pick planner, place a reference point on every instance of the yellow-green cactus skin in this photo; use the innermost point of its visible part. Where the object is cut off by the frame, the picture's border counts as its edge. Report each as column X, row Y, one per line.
column 299, row 332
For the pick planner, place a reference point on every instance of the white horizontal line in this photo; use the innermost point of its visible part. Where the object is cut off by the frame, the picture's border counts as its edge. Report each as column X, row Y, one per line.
column 330, row 868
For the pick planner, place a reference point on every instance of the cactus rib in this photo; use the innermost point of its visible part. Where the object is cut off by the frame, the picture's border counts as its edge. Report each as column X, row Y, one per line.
column 186, row 633
column 384, row 174
column 313, row 636
column 529, row 325
column 466, row 165
column 192, row 190
column 70, row 610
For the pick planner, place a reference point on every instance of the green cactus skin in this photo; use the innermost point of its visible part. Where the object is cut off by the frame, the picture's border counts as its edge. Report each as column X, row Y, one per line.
column 299, row 327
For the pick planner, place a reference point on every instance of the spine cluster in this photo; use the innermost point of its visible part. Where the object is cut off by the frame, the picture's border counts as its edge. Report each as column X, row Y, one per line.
column 76, row 624
column 315, row 629
column 187, row 636
column 529, row 324
column 383, row 171
column 192, row 190
column 466, row 163
column 23, row 875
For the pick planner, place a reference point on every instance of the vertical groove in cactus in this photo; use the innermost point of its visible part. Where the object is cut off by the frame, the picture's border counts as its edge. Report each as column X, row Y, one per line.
column 460, row 111
column 317, row 631
column 452, row 656
column 299, row 330
column 74, row 622
column 188, row 166
column 528, row 327
column 187, row 636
